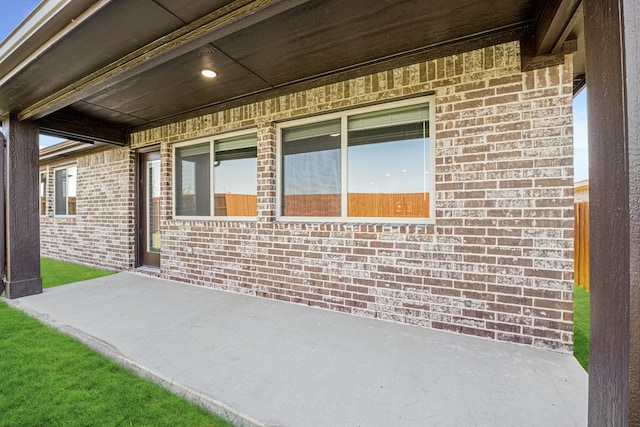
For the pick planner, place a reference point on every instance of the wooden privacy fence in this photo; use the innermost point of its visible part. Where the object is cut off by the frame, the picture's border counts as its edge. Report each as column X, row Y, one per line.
column 410, row 205
column 581, row 244
column 227, row 204
column 365, row 205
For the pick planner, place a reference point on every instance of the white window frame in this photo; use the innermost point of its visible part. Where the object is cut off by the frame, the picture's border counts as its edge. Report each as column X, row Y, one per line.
column 344, row 115
column 66, row 215
column 148, row 199
column 211, row 140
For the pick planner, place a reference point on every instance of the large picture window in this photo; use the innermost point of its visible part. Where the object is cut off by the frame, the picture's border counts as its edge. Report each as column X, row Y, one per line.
column 217, row 177
column 65, row 181
column 367, row 163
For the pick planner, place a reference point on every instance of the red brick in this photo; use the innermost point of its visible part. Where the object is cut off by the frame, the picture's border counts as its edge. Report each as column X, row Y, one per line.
column 488, row 267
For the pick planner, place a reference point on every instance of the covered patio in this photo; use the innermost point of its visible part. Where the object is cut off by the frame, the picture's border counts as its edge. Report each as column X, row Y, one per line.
column 269, row 363
column 87, row 70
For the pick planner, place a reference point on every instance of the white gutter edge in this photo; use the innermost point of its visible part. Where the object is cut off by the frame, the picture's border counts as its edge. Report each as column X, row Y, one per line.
column 34, row 22
column 63, row 148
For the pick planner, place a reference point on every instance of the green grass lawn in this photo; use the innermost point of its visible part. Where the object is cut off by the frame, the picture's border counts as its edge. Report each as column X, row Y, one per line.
column 581, row 326
column 50, row 379
column 56, row 273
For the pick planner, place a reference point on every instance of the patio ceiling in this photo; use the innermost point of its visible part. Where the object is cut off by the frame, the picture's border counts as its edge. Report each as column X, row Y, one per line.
column 99, row 69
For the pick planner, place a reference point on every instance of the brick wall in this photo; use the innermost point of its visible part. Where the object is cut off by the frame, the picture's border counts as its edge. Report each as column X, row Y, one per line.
column 498, row 263
column 102, row 232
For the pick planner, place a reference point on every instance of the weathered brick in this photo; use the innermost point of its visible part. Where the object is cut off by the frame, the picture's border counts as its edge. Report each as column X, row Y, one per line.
column 496, row 263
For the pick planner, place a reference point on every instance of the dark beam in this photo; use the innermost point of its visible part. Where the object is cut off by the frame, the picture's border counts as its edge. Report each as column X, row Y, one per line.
column 579, row 83
column 550, row 38
column 530, row 63
column 236, row 16
column 22, row 220
column 530, row 60
column 81, row 129
column 613, row 69
column 552, row 23
column 3, row 178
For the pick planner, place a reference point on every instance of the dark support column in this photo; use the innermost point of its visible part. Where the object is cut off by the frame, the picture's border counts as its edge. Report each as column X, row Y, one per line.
column 3, row 143
column 612, row 30
column 22, row 238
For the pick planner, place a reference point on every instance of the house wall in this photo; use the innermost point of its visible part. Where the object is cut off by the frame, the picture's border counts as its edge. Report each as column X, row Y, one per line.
column 581, row 191
column 497, row 263
column 102, row 231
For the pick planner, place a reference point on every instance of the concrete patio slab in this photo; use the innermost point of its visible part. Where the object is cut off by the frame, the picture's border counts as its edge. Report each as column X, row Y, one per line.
column 264, row 362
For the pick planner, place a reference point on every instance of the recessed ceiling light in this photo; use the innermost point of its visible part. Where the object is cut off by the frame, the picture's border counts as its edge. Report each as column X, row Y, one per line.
column 209, row 73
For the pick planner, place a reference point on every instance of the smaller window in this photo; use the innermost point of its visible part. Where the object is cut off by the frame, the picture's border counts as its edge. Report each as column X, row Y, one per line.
column 235, row 178
column 217, row 177
column 311, row 170
column 65, row 190
column 389, row 163
column 192, row 180
column 43, row 193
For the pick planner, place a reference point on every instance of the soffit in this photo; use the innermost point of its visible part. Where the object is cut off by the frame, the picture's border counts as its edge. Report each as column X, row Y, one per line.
column 273, row 50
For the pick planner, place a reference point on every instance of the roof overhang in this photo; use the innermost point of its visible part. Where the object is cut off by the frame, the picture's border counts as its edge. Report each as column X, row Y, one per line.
column 97, row 70
column 65, row 149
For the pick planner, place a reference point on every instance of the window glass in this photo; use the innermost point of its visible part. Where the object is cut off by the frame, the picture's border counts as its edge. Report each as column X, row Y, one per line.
column 65, row 181
column 61, row 191
column 379, row 168
column 153, row 206
column 311, row 170
column 72, row 179
column 388, row 164
column 192, row 180
column 43, row 193
column 235, row 182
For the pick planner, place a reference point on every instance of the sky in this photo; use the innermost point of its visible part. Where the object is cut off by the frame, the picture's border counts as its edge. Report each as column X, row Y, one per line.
column 15, row 11
column 580, row 137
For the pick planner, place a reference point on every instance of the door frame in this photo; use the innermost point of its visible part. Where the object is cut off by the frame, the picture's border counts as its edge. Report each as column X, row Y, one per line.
column 140, row 174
